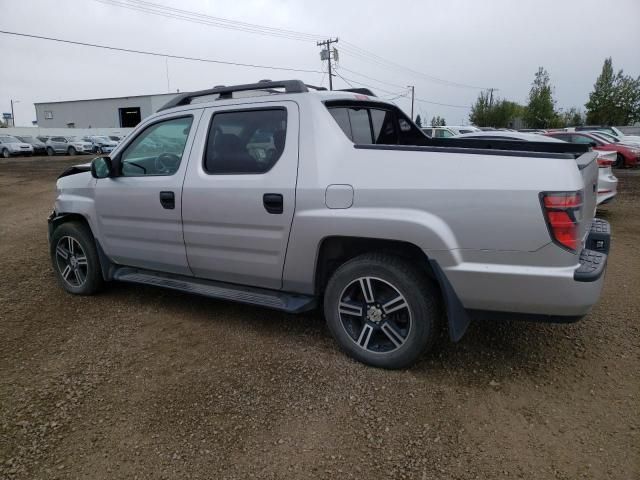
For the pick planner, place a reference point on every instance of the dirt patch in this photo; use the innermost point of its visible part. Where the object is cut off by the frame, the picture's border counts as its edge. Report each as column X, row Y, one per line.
column 146, row 383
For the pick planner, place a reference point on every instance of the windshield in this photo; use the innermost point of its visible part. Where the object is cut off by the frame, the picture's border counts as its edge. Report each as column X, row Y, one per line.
column 27, row 139
column 617, row 132
column 9, row 139
column 607, row 137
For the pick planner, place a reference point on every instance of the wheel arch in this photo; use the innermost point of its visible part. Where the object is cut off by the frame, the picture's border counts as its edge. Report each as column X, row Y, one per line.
column 106, row 265
column 333, row 251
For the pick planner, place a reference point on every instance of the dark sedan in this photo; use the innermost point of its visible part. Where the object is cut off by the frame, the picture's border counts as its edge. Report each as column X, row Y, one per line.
column 39, row 148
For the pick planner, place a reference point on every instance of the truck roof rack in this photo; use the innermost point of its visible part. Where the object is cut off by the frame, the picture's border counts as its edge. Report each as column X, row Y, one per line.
column 290, row 86
column 361, row 91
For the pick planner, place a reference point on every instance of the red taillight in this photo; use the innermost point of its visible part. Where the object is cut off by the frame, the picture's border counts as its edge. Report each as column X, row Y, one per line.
column 602, row 163
column 562, row 212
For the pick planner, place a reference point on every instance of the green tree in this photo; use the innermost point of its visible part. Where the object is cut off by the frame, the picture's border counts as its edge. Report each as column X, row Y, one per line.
column 419, row 121
column 438, row 121
column 498, row 113
column 540, row 111
column 615, row 99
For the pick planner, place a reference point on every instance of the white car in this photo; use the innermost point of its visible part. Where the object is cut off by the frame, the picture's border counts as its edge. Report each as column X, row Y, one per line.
column 461, row 129
column 439, row 132
column 68, row 145
column 607, row 181
column 12, row 146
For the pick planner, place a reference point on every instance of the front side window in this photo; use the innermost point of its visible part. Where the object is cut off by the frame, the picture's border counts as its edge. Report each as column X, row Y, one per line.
column 582, row 139
column 158, row 149
column 245, row 142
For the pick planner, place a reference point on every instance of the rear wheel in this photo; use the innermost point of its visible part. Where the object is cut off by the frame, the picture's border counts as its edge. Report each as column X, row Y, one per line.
column 50, row 152
column 619, row 161
column 382, row 311
column 75, row 259
column 72, row 151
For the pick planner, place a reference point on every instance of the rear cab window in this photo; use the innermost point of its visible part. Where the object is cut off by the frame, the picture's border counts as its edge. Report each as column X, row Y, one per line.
column 375, row 124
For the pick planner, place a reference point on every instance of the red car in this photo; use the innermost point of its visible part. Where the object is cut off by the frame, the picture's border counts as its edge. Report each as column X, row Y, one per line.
column 628, row 155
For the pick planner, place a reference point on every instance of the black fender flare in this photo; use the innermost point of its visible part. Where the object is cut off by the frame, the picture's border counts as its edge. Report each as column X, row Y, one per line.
column 55, row 219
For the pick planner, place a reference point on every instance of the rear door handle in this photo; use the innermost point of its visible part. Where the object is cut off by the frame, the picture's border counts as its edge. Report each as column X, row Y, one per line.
column 273, row 202
column 168, row 200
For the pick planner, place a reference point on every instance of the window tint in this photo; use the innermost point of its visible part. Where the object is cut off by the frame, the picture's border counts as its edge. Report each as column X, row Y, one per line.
column 360, row 127
column 158, row 149
column 384, row 129
column 341, row 116
column 371, row 125
column 581, row 139
column 249, row 141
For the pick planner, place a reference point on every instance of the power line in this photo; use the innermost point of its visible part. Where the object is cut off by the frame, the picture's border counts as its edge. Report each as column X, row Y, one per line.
column 176, row 13
column 349, row 48
column 157, row 54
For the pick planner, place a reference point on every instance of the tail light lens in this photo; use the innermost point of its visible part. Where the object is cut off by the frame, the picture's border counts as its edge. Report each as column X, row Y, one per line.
column 562, row 211
column 602, row 163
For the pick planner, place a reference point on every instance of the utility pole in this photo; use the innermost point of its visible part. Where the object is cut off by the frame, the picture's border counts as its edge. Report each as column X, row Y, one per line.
column 491, row 97
column 13, row 117
column 413, row 91
column 326, row 55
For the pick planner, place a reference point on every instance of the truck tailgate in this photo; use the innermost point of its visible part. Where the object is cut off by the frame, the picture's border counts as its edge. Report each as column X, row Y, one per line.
column 589, row 171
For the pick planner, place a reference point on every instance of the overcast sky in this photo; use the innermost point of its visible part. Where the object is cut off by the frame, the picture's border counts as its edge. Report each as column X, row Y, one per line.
column 497, row 43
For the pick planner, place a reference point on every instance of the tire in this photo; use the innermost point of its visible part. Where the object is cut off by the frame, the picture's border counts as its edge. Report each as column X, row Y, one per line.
column 619, row 161
column 75, row 259
column 99, row 150
column 378, row 330
column 50, row 152
column 5, row 153
column 72, row 151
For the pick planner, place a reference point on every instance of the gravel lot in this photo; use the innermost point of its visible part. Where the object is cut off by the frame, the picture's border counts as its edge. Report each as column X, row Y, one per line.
column 146, row 383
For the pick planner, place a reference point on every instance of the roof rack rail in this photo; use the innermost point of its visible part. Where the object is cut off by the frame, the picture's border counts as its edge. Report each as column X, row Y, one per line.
column 290, row 86
column 361, row 91
column 314, row 87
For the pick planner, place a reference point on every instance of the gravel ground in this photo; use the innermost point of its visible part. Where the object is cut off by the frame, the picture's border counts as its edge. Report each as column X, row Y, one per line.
column 146, row 383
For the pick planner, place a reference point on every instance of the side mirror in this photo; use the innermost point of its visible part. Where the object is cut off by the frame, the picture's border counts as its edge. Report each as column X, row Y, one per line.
column 101, row 167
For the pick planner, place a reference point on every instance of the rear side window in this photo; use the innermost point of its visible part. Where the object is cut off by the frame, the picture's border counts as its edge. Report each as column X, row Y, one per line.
column 368, row 125
column 245, row 142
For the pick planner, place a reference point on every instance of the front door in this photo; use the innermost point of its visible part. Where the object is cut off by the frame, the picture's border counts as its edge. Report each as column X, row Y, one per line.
column 239, row 197
column 139, row 211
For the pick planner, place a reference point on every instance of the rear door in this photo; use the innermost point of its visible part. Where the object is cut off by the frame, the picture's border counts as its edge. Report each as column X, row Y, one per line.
column 239, row 193
column 59, row 144
column 139, row 211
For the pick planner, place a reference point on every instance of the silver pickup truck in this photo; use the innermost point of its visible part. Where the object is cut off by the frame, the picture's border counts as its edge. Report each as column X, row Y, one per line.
column 287, row 196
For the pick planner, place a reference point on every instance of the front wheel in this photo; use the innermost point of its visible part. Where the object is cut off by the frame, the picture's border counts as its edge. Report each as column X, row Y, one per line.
column 99, row 150
column 75, row 259
column 50, row 152
column 72, row 151
column 382, row 310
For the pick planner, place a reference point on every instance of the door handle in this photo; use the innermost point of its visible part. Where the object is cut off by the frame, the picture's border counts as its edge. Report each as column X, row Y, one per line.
column 168, row 200
column 273, row 202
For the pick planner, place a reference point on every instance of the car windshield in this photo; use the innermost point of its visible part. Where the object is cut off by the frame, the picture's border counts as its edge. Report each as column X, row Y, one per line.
column 27, row 139
column 607, row 137
column 617, row 132
column 9, row 139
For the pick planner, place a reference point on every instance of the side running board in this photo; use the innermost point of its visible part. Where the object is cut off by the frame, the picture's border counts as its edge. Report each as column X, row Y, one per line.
column 286, row 302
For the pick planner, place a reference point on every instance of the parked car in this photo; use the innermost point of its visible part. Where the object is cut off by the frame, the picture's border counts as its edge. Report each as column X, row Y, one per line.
column 353, row 209
column 619, row 134
column 458, row 130
column 101, row 144
column 539, row 131
column 12, row 146
column 68, row 145
column 439, row 132
column 609, row 138
column 627, row 156
column 607, row 182
column 39, row 148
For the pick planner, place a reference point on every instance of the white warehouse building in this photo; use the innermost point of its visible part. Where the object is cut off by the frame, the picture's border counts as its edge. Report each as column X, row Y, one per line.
column 120, row 112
